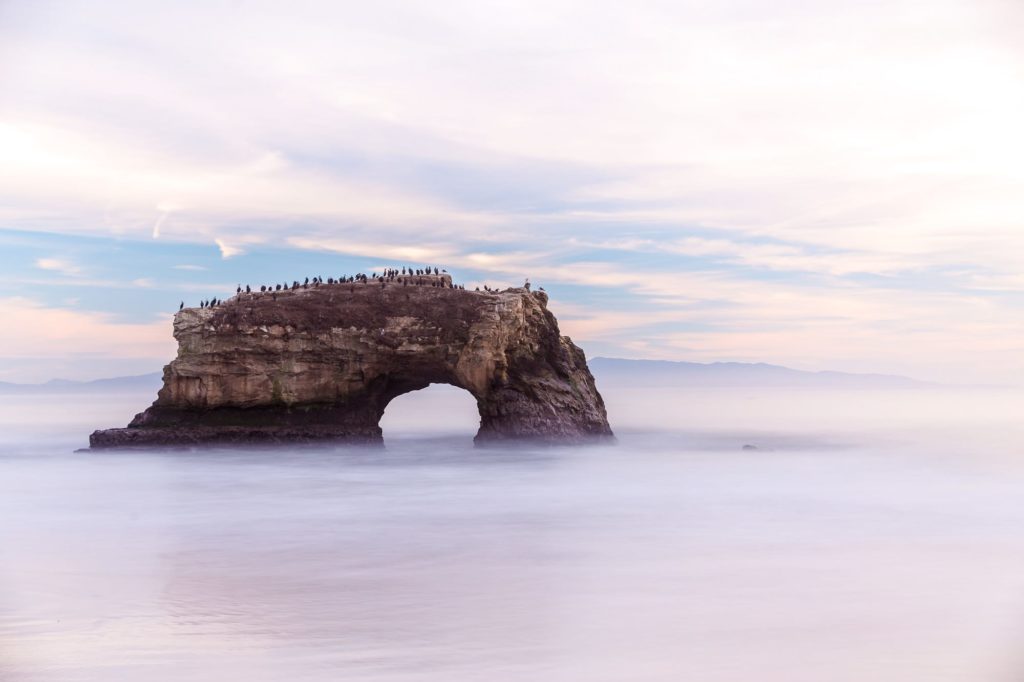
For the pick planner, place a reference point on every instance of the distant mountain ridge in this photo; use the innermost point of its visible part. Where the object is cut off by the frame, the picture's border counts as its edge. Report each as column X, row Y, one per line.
column 614, row 372
column 130, row 383
column 609, row 372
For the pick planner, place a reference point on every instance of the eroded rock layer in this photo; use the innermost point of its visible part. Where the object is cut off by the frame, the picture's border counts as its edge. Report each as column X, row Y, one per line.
column 323, row 363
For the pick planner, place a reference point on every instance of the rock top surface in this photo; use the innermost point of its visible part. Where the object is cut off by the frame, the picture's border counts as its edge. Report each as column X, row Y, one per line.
column 322, row 363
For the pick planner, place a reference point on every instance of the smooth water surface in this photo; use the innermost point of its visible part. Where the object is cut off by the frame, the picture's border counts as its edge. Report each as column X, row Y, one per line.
column 870, row 537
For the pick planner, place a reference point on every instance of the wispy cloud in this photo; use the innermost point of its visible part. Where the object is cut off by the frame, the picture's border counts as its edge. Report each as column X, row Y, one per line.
column 63, row 332
column 227, row 250
column 165, row 211
column 61, row 265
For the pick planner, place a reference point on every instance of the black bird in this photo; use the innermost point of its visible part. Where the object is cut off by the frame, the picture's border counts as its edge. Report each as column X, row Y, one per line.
column 247, row 289
column 182, row 306
column 239, row 289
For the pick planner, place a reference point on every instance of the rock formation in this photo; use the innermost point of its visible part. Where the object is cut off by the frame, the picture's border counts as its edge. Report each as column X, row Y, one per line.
column 323, row 363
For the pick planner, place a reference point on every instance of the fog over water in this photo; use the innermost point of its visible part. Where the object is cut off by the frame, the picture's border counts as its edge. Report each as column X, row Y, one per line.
column 873, row 535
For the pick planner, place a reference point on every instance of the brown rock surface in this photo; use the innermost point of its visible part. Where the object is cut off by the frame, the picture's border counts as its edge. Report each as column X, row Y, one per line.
column 323, row 363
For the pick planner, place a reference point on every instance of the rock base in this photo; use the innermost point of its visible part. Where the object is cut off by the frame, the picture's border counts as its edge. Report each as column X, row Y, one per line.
column 226, row 435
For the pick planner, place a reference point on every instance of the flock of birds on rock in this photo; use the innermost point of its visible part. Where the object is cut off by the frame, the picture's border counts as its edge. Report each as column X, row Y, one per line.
column 406, row 276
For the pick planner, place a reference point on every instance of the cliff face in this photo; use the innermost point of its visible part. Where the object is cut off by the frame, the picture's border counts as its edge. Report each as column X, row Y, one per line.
column 324, row 362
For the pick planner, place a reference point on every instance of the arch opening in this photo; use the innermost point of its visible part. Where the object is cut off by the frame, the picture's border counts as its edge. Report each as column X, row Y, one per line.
column 439, row 410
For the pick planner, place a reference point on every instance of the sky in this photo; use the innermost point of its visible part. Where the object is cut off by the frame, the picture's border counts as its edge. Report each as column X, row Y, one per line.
column 819, row 184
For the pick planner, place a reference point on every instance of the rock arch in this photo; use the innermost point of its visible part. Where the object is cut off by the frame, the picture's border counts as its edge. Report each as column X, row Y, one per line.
column 322, row 364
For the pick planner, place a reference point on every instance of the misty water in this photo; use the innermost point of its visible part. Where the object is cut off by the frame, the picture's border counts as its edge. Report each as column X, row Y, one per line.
column 873, row 535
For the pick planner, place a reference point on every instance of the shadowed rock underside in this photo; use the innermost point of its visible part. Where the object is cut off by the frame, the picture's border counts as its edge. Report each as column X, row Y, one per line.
column 323, row 363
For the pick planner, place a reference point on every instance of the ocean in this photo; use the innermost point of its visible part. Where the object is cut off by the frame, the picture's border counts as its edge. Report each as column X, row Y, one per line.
column 863, row 535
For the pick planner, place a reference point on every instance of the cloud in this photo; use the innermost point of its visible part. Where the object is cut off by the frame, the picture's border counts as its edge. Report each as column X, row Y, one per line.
column 59, row 333
column 165, row 208
column 226, row 250
column 733, row 166
column 1003, row 283
column 60, row 265
column 714, row 122
column 418, row 254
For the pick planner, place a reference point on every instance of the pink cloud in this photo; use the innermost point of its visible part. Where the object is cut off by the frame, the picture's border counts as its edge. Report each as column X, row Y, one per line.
column 32, row 330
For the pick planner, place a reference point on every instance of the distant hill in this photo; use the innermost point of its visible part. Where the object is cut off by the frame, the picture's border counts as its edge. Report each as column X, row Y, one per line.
column 609, row 372
column 134, row 383
column 618, row 372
